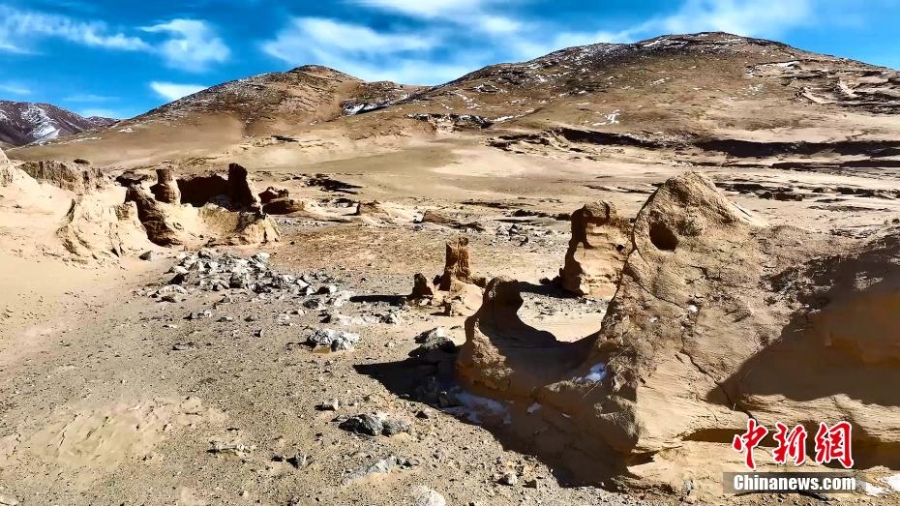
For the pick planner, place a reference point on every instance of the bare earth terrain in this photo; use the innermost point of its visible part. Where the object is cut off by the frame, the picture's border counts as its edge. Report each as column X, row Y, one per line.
column 637, row 247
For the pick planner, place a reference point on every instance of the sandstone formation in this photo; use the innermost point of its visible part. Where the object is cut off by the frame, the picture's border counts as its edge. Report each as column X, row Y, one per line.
column 153, row 216
column 6, row 174
column 241, row 192
column 712, row 322
column 234, row 192
column 166, row 187
column 421, row 288
column 72, row 177
column 238, row 228
column 456, row 266
column 596, row 251
column 271, row 193
column 94, row 230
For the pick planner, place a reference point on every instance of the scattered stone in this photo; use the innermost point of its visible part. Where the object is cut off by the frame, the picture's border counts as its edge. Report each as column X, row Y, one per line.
column 329, row 405
column 8, row 500
column 436, row 339
column 364, row 424
column 509, row 479
column 236, row 449
column 382, row 466
column 392, row 427
column 424, row 496
column 335, row 340
column 299, row 461
column 147, row 255
column 391, row 318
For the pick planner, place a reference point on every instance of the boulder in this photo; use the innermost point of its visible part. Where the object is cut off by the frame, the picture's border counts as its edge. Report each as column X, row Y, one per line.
column 597, row 250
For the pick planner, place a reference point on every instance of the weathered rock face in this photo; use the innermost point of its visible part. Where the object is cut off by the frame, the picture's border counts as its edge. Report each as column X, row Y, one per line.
column 153, row 216
column 234, row 193
column 600, row 241
column 506, row 356
column 241, row 192
column 166, row 187
column 6, row 174
column 238, row 228
column 456, row 265
column 76, row 178
column 94, row 230
column 712, row 322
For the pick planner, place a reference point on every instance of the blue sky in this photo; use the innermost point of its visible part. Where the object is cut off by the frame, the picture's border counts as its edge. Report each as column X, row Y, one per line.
column 121, row 58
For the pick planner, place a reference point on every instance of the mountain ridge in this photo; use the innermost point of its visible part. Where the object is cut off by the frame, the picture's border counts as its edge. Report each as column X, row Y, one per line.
column 706, row 84
column 22, row 123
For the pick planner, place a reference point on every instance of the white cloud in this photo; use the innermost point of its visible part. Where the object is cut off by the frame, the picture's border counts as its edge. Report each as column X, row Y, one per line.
column 174, row 91
column 360, row 51
column 741, row 17
column 192, row 45
column 429, row 9
column 18, row 26
column 499, row 25
column 318, row 37
column 15, row 89
column 87, row 97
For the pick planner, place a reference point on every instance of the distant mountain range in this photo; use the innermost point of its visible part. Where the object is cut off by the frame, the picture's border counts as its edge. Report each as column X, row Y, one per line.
column 22, row 123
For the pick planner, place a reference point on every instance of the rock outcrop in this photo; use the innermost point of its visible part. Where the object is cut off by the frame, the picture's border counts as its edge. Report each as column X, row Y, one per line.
column 166, row 187
column 234, row 192
column 456, row 266
column 442, row 219
column 712, row 323
column 271, row 193
column 237, row 228
column 241, row 191
column 153, row 216
column 422, row 289
column 597, row 250
column 77, row 178
column 92, row 229
column 285, row 205
column 6, row 171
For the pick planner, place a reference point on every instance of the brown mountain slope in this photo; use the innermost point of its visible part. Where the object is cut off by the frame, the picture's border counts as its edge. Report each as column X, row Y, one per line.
column 25, row 122
column 669, row 91
column 224, row 115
